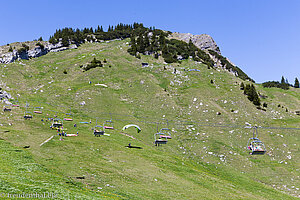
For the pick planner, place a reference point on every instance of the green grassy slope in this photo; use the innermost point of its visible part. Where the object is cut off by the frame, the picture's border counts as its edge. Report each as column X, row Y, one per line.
column 200, row 162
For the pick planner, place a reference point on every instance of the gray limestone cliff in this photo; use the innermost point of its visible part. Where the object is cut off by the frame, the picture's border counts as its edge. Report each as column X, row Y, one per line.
column 203, row 41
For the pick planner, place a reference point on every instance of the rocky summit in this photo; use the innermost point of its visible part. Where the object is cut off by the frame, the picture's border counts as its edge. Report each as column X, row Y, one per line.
column 203, row 41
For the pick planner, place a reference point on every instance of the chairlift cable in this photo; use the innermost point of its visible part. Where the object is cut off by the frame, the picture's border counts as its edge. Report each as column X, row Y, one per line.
column 175, row 122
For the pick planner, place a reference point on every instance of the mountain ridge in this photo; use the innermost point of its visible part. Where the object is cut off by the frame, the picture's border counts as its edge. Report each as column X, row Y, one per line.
column 68, row 38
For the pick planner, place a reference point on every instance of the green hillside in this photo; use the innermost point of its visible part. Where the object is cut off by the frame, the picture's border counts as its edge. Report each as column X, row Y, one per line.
column 206, row 158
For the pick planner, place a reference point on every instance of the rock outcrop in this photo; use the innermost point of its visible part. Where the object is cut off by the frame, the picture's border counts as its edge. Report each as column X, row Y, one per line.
column 203, row 41
column 33, row 53
column 4, row 95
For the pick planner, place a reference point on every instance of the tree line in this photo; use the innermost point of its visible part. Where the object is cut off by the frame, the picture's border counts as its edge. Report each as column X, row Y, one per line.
column 78, row 36
column 283, row 84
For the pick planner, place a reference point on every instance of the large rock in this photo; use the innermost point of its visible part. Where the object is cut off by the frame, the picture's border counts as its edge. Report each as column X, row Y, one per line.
column 203, row 41
column 37, row 52
column 8, row 57
column 4, row 94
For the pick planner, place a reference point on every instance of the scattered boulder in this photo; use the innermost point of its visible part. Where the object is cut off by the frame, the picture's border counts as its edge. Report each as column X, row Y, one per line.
column 145, row 65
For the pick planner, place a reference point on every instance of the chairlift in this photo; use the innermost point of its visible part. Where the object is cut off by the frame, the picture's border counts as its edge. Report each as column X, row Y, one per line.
column 256, row 146
column 96, row 131
column 27, row 115
column 38, row 110
column 16, row 103
column 108, row 124
column 162, row 136
column 165, row 133
column 7, row 108
column 57, row 124
column 68, row 116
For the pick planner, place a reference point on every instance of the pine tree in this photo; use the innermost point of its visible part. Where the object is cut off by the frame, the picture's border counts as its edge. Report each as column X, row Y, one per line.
column 282, row 80
column 296, row 83
column 140, row 44
column 251, row 93
column 146, row 42
column 65, row 41
column 192, row 48
column 284, row 83
column 242, row 86
column 162, row 40
column 98, row 29
column 247, row 89
column 254, row 96
column 256, row 100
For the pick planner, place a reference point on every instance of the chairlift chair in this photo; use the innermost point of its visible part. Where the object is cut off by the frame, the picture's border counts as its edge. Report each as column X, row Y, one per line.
column 97, row 132
column 7, row 108
column 38, row 110
column 256, row 146
column 16, row 103
column 57, row 123
column 162, row 136
column 28, row 115
column 108, row 124
column 68, row 116
column 165, row 133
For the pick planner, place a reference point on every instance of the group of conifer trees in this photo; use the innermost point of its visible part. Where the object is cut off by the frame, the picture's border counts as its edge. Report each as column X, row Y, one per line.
column 155, row 42
column 251, row 93
column 71, row 36
column 284, row 84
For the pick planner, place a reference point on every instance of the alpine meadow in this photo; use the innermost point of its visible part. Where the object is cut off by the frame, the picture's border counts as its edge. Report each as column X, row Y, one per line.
column 136, row 112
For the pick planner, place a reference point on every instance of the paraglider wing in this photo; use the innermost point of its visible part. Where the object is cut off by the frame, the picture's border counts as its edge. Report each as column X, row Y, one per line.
column 132, row 125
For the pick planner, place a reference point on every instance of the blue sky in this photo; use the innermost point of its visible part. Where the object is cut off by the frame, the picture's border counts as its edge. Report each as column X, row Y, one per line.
column 262, row 37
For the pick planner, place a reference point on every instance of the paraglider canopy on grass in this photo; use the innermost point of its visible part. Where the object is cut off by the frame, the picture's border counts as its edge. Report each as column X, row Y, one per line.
column 132, row 125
